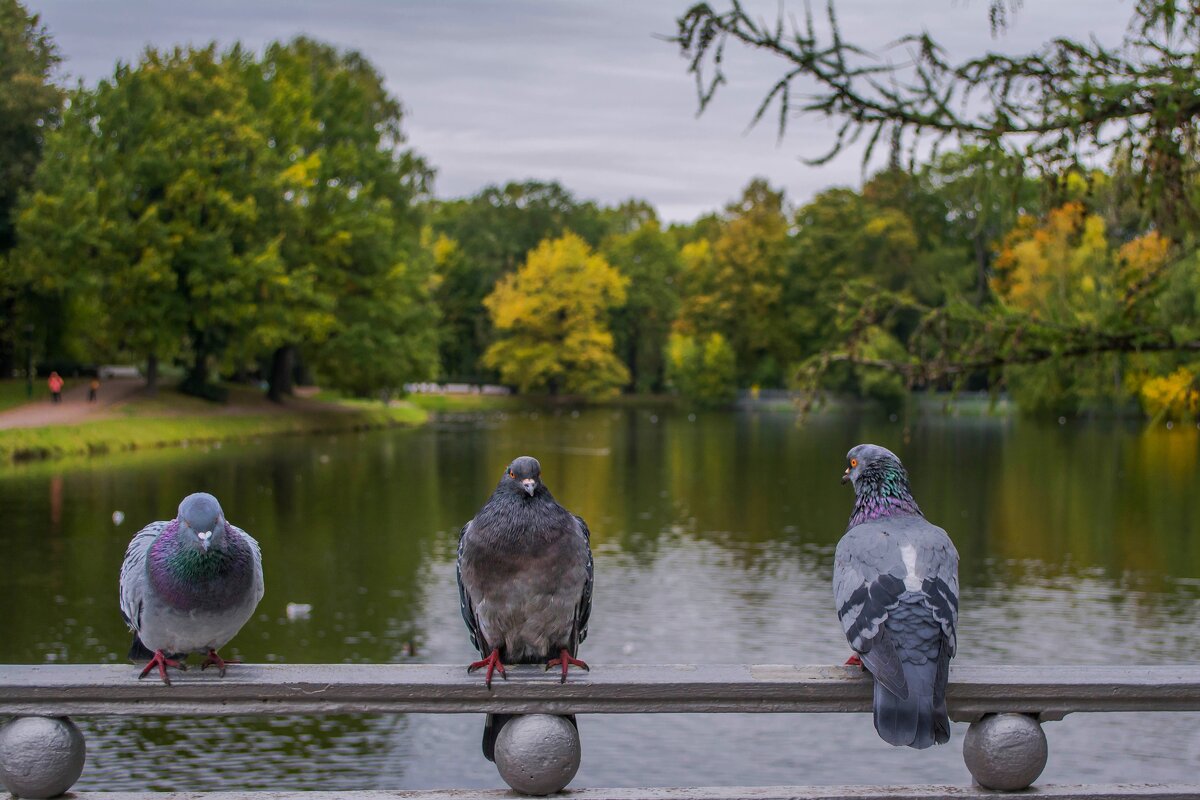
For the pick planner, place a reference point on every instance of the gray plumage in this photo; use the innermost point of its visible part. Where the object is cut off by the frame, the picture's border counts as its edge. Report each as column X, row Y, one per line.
column 189, row 584
column 524, row 577
column 895, row 582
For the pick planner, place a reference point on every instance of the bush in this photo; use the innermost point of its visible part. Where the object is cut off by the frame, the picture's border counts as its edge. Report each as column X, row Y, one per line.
column 702, row 369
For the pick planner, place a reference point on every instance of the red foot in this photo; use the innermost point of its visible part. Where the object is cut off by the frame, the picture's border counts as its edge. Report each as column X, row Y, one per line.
column 492, row 662
column 566, row 660
column 854, row 661
column 212, row 659
column 161, row 661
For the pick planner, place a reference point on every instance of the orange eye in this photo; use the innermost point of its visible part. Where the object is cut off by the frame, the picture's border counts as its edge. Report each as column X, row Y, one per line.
column 512, row 474
column 853, row 463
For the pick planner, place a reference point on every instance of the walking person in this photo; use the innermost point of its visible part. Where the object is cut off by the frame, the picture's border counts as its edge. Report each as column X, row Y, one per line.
column 93, row 390
column 55, row 382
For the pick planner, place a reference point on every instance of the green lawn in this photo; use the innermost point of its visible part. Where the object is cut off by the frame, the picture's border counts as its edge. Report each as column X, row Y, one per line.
column 12, row 392
column 170, row 421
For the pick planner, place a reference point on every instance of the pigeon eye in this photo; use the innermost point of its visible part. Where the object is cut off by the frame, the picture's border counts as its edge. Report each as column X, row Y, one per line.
column 512, row 474
column 853, row 463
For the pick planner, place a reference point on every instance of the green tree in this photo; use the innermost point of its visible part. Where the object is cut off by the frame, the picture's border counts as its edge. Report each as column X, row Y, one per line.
column 649, row 260
column 1137, row 104
column 495, row 230
column 345, row 208
column 733, row 284
column 30, row 105
column 223, row 210
column 552, row 314
column 148, row 205
column 702, row 368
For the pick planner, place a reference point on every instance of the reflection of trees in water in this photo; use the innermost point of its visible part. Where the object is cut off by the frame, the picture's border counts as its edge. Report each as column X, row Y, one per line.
column 243, row 753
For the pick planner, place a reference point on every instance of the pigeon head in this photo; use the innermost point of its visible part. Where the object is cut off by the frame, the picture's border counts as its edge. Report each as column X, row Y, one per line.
column 201, row 522
column 869, row 459
column 523, row 475
column 880, row 483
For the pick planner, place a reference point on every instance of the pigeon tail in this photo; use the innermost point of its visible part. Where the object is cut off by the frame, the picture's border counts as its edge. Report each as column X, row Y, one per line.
column 491, row 729
column 139, row 651
column 920, row 720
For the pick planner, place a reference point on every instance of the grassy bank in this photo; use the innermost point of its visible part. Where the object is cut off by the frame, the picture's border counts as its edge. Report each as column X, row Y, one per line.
column 171, row 421
column 13, row 392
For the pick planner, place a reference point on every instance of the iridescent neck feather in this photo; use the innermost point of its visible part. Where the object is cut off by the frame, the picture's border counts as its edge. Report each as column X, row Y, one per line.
column 881, row 492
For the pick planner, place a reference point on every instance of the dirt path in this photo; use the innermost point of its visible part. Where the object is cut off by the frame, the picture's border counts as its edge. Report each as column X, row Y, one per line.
column 74, row 406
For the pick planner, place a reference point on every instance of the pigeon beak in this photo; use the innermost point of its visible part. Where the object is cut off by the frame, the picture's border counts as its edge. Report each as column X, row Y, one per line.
column 529, row 485
column 846, row 476
column 205, row 538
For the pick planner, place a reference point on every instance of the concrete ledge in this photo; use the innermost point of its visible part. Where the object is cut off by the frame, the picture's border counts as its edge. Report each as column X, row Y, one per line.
column 1097, row 792
column 1048, row 692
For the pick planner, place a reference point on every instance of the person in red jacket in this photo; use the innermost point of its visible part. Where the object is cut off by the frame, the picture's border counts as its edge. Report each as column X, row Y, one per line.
column 55, row 383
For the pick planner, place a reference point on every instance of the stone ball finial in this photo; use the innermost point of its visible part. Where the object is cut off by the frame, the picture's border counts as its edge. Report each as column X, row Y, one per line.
column 538, row 754
column 40, row 756
column 1005, row 752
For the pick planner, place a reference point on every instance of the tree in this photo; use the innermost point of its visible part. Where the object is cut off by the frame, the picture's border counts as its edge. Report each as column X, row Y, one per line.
column 702, row 368
column 495, row 230
column 30, row 105
column 345, row 208
column 732, row 284
column 552, row 316
column 148, row 204
column 649, row 260
column 223, row 210
column 1136, row 104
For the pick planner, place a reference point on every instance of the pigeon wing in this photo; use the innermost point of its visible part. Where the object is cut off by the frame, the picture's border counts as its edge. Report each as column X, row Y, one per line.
column 465, row 603
column 937, row 565
column 256, row 555
column 583, row 612
column 868, row 579
column 133, row 574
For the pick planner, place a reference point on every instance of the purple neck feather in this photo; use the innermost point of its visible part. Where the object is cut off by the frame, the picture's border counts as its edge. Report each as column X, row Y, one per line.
column 189, row 579
column 881, row 492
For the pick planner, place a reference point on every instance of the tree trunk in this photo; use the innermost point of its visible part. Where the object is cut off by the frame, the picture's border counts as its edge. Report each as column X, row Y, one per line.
column 280, row 385
column 196, row 380
column 152, row 374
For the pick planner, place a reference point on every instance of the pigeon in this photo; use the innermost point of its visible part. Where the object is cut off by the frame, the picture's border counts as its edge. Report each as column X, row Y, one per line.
column 895, row 584
column 524, row 581
column 188, row 585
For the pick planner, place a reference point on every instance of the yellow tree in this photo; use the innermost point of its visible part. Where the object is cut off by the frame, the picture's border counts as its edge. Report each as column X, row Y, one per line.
column 552, row 314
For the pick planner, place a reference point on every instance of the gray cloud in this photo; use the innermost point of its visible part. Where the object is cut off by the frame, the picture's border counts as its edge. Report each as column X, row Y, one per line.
column 562, row 89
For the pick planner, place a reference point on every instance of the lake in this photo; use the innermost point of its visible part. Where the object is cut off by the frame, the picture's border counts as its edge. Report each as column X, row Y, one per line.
column 713, row 538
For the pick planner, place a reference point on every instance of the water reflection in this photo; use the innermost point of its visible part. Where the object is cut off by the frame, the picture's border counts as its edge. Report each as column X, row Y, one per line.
column 713, row 536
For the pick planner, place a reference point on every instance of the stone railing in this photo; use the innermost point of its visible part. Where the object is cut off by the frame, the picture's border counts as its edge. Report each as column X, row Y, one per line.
column 42, row 751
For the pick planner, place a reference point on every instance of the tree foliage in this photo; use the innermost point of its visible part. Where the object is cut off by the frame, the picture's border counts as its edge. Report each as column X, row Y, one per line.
column 345, row 207
column 732, row 284
column 494, row 231
column 1135, row 104
column 649, row 260
column 702, row 368
column 216, row 208
column 552, row 314
column 30, row 104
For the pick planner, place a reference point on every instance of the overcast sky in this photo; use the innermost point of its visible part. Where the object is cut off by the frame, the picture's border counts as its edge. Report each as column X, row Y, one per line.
column 580, row 92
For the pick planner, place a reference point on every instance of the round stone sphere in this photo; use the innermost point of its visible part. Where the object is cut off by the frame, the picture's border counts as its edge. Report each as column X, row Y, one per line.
column 538, row 754
column 40, row 756
column 1005, row 752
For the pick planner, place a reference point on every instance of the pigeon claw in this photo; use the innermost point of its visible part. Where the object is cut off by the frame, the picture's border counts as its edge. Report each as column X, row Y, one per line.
column 492, row 662
column 854, row 661
column 214, row 660
column 566, row 660
column 160, row 660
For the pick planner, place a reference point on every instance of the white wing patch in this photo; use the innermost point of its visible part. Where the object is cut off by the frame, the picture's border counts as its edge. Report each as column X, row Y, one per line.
column 912, row 581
